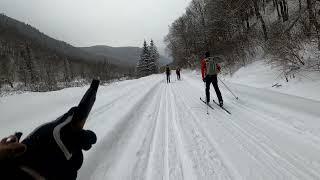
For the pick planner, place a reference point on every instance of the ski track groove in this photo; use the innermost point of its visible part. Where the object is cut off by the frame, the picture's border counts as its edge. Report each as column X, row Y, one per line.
column 234, row 132
column 158, row 147
column 285, row 161
column 150, row 130
column 142, row 163
column 311, row 138
column 305, row 134
column 274, row 150
column 122, row 94
column 175, row 144
column 112, row 142
column 166, row 134
column 165, row 162
column 207, row 161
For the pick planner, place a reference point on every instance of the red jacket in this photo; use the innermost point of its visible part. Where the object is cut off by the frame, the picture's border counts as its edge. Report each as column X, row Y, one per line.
column 204, row 68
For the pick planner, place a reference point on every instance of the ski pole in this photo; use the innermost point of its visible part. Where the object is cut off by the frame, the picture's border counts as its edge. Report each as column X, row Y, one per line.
column 229, row 89
column 207, row 102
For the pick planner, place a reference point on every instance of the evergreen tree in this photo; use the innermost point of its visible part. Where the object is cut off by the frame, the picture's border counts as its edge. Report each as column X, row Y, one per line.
column 154, row 58
column 50, row 74
column 142, row 68
column 30, row 69
column 106, row 70
column 67, row 72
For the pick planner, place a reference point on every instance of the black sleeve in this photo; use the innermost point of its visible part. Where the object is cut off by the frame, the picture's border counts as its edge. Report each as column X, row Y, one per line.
column 39, row 138
column 67, row 176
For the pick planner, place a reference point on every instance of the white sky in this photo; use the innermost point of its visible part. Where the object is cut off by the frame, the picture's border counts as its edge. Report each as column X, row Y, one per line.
column 98, row 22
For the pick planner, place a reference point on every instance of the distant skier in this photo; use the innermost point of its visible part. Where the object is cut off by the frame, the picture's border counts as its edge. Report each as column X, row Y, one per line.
column 209, row 71
column 168, row 73
column 178, row 73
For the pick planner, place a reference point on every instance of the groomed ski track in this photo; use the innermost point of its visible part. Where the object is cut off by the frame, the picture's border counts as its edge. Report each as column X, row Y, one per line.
column 148, row 129
column 161, row 131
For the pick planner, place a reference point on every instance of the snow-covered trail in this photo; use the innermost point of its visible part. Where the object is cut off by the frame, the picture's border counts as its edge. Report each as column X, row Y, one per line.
column 148, row 129
column 168, row 135
column 268, row 136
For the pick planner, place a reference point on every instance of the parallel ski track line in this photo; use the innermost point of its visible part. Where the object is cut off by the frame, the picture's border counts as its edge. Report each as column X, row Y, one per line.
column 310, row 137
column 291, row 162
column 123, row 94
column 291, row 159
column 121, row 129
column 267, row 117
column 186, row 163
column 165, row 162
column 141, row 166
column 208, row 160
column 234, row 133
column 156, row 164
column 176, row 154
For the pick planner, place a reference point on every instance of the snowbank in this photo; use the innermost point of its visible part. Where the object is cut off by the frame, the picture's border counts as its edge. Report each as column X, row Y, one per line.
column 259, row 74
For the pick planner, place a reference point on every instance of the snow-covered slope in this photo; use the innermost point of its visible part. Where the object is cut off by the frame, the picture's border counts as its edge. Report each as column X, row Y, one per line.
column 261, row 75
column 148, row 129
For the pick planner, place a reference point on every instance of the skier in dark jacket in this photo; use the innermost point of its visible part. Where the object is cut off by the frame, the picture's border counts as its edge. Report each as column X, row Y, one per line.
column 178, row 73
column 54, row 150
column 168, row 73
column 209, row 71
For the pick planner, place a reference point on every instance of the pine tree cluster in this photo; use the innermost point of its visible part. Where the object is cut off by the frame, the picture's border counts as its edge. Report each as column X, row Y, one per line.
column 148, row 63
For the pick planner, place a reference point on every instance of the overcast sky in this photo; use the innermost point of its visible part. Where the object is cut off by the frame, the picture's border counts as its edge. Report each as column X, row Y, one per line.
column 98, row 22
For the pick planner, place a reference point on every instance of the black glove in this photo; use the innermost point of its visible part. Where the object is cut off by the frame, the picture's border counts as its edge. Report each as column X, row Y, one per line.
column 87, row 139
column 204, row 79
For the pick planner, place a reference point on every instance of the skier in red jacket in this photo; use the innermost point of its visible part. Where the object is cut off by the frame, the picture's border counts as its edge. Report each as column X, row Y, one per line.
column 209, row 71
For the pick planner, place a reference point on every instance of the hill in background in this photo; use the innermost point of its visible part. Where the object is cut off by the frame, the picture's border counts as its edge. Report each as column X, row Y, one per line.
column 122, row 55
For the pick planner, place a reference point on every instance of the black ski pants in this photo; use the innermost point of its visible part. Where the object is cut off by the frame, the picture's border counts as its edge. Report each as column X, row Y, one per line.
column 214, row 80
column 168, row 78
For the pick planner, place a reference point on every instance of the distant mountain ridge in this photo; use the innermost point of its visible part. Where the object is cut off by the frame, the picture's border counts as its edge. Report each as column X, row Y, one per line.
column 16, row 32
column 123, row 55
column 31, row 60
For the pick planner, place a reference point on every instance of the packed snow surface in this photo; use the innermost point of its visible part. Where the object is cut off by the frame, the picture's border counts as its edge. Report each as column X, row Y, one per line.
column 148, row 129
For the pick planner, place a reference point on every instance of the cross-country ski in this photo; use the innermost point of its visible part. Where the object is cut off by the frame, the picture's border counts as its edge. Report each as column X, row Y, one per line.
column 222, row 107
column 206, row 103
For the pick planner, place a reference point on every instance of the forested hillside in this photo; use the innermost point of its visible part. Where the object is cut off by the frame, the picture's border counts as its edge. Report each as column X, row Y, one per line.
column 284, row 31
column 31, row 60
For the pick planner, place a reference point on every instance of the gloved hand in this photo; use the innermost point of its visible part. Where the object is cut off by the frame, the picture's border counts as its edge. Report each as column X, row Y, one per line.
column 204, row 79
column 11, row 148
column 87, row 139
column 218, row 68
